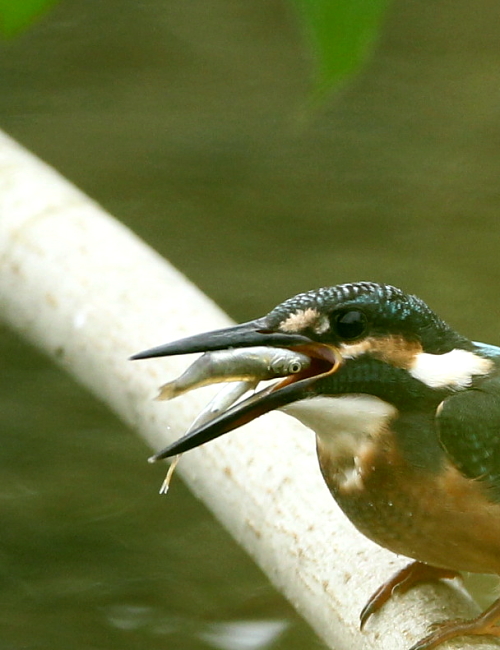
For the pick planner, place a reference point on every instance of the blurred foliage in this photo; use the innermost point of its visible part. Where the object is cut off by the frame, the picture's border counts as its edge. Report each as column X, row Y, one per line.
column 16, row 15
column 341, row 34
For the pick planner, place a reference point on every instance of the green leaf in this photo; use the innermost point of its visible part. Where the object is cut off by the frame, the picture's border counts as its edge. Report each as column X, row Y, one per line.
column 16, row 15
column 341, row 34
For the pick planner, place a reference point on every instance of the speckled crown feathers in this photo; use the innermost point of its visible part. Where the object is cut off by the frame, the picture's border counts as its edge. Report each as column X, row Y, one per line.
column 390, row 308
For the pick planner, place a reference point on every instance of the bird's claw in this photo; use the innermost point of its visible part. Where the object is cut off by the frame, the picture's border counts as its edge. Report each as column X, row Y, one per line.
column 441, row 632
column 401, row 582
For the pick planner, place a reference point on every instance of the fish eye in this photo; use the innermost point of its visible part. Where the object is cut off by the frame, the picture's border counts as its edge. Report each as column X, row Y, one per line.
column 294, row 367
column 350, row 324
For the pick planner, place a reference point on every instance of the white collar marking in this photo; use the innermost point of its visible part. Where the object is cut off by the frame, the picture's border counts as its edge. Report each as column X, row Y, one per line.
column 453, row 369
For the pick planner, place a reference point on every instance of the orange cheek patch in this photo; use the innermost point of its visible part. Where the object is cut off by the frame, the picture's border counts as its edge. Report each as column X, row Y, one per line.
column 394, row 350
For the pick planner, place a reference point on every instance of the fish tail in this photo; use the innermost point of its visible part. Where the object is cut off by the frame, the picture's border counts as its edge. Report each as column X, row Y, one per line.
column 167, row 391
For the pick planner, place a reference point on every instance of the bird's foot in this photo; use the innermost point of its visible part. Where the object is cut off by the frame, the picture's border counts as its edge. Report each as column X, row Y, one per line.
column 402, row 581
column 485, row 624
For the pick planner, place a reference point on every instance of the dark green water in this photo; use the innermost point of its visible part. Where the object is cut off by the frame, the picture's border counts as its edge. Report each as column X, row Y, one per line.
column 190, row 122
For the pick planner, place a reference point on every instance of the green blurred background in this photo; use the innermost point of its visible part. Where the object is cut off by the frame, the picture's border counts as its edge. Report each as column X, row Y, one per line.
column 192, row 122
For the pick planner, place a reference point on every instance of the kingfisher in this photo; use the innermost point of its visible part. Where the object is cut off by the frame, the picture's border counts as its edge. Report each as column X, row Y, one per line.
column 406, row 413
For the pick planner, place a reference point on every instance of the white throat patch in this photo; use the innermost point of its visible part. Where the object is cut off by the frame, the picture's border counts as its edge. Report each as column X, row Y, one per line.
column 355, row 417
column 347, row 428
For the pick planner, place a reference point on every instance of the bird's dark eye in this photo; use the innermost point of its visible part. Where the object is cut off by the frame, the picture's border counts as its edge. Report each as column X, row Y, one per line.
column 350, row 324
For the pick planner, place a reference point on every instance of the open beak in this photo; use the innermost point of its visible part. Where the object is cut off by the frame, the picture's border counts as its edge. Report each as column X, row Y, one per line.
column 325, row 360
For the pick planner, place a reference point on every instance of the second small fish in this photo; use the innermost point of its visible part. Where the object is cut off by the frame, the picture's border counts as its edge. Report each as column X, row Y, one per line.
column 242, row 364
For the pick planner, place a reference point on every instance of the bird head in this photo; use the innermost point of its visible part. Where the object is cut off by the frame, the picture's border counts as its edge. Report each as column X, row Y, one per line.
column 363, row 339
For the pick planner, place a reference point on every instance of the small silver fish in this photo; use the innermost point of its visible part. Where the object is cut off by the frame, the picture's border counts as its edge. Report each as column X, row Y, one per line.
column 224, row 399
column 241, row 364
column 244, row 367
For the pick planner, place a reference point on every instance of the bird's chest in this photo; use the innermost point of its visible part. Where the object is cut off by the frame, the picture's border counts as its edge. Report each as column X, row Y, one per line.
column 357, row 455
column 430, row 513
column 365, row 471
column 370, row 484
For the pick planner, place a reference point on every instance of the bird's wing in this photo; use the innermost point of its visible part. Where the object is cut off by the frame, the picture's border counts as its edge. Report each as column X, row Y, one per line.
column 469, row 430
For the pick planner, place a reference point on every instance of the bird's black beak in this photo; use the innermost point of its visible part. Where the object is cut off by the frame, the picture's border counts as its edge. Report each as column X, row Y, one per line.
column 246, row 335
column 325, row 360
